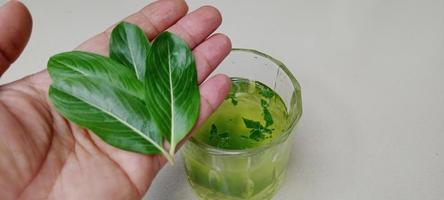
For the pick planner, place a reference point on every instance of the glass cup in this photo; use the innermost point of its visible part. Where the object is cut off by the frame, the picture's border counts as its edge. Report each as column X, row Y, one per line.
column 254, row 173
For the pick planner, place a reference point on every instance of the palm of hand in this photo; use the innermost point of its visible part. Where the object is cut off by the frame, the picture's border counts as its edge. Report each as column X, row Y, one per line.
column 45, row 156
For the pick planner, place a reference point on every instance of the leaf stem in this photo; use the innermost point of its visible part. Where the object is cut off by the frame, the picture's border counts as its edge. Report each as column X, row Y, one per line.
column 168, row 156
column 172, row 150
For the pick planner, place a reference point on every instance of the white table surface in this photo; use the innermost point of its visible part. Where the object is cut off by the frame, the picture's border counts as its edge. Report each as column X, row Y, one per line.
column 372, row 76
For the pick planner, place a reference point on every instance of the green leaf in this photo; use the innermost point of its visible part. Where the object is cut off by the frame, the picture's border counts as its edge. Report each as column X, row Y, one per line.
column 83, row 64
column 224, row 135
column 213, row 130
column 214, row 138
column 257, row 131
column 267, row 130
column 172, row 93
column 266, row 113
column 113, row 114
column 218, row 140
column 252, row 124
column 264, row 103
column 224, row 140
column 256, row 134
column 267, row 117
column 266, row 91
column 232, row 96
column 129, row 46
column 234, row 101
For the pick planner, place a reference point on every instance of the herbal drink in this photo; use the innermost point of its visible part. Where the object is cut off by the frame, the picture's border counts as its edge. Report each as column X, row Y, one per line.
column 241, row 152
column 251, row 116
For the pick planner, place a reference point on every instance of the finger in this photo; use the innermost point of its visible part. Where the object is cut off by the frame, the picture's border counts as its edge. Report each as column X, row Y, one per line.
column 153, row 19
column 15, row 29
column 212, row 94
column 198, row 25
column 210, row 54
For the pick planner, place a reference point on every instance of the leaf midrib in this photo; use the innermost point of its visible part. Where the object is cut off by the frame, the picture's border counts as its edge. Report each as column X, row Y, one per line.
column 118, row 119
column 76, row 70
column 132, row 57
column 171, row 101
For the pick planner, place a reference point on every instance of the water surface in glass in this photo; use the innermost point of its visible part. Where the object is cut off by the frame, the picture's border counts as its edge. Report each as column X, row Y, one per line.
column 251, row 115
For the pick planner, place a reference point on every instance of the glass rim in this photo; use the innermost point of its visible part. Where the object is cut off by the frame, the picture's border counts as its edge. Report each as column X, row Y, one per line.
column 294, row 113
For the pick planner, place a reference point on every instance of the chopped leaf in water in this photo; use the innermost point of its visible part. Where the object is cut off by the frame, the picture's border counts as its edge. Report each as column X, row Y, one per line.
column 256, row 134
column 257, row 131
column 266, row 113
column 252, row 124
column 212, row 140
column 266, row 92
column 218, row 140
column 224, row 135
column 233, row 99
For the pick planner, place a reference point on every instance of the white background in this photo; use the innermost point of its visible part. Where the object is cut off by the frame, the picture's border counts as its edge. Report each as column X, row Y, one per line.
column 372, row 76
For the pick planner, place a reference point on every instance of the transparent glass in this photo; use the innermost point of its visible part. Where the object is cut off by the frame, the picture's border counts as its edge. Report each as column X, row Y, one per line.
column 254, row 173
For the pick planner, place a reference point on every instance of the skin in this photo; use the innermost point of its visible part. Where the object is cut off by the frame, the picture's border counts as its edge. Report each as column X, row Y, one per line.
column 44, row 156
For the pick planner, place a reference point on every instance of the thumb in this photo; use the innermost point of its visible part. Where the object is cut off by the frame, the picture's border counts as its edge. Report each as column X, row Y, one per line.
column 15, row 29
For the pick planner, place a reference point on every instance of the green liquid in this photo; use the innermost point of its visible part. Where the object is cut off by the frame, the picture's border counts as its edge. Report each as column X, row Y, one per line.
column 248, row 102
column 251, row 116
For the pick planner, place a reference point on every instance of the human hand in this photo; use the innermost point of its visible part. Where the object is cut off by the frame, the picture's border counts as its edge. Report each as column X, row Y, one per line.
column 44, row 156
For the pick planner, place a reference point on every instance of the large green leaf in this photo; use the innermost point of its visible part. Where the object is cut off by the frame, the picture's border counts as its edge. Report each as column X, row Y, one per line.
column 130, row 47
column 117, row 117
column 172, row 93
column 84, row 64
